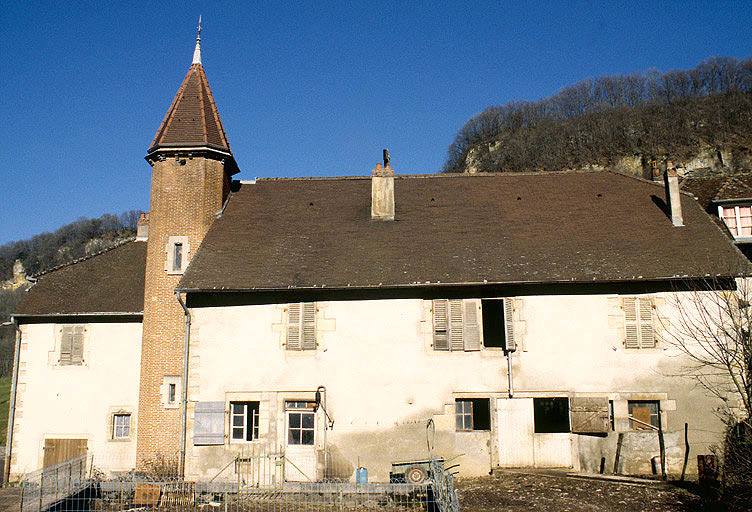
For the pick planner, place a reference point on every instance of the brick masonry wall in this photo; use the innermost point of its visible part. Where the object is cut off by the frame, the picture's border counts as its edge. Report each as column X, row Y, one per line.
column 184, row 200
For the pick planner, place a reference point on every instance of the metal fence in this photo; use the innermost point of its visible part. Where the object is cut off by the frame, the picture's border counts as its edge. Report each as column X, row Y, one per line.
column 68, row 487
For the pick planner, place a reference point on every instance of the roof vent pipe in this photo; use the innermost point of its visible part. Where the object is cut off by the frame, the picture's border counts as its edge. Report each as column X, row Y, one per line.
column 673, row 197
column 382, row 191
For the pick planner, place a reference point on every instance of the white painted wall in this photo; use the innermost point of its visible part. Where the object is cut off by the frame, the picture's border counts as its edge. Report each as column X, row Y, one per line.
column 77, row 401
column 384, row 380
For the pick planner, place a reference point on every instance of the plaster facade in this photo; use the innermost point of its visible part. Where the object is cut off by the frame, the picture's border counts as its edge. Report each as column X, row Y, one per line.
column 384, row 380
column 57, row 401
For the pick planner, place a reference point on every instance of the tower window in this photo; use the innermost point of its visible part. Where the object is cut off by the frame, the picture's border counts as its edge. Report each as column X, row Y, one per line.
column 177, row 257
column 177, row 250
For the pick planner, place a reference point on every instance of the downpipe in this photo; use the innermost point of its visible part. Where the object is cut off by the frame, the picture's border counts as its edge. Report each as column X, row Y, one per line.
column 184, row 400
column 12, row 410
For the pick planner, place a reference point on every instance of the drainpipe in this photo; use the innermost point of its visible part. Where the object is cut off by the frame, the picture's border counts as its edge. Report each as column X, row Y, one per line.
column 12, row 410
column 184, row 408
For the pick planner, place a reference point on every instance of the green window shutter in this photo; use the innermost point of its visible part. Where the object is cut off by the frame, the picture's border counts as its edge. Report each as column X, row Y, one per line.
column 631, row 330
column 647, row 333
column 441, row 324
column 293, row 326
column 66, row 345
column 470, row 328
column 309, row 326
column 510, row 342
column 456, row 321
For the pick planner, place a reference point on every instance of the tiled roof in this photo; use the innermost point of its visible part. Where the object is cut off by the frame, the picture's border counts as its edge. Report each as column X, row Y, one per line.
column 107, row 283
column 459, row 229
column 710, row 186
column 192, row 119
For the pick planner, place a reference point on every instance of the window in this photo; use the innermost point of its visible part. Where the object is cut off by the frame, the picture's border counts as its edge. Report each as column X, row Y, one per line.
column 171, row 393
column 72, row 345
column 551, row 415
column 455, row 324
column 472, row 414
column 244, row 418
column 638, row 322
column 738, row 219
column 177, row 254
column 498, row 329
column 121, row 426
column 646, row 412
column 171, row 384
column 611, row 415
column 301, row 326
column 300, row 422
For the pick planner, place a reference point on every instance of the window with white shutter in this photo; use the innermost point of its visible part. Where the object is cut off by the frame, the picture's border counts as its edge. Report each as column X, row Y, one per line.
column 301, row 326
column 638, row 322
column 498, row 325
column 72, row 345
column 456, row 325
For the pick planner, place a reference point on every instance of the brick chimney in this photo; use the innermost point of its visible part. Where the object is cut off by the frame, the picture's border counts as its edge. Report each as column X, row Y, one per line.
column 142, row 228
column 673, row 197
column 382, row 191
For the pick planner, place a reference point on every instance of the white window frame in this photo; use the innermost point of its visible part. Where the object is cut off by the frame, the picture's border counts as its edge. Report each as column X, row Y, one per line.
column 638, row 328
column 124, row 427
column 170, row 250
column 245, row 409
column 737, row 229
column 74, row 357
column 304, row 408
column 301, row 335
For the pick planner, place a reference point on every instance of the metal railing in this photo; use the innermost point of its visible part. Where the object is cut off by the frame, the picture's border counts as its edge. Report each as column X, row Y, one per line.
column 43, row 488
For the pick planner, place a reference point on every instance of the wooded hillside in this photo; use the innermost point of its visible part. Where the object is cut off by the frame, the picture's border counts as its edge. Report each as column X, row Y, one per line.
column 597, row 121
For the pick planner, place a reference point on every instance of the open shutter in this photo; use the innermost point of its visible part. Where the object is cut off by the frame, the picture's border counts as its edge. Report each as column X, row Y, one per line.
column 66, row 344
column 209, row 423
column 590, row 415
column 293, row 326
column 631, row 336
column 510, row 342
column 471, row 329
column 77, row 345
column 309, row 326
column 647, row 334
column 440, row 324
column 456, row 320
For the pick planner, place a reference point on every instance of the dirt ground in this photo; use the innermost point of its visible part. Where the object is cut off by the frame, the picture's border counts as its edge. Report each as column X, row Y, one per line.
column 517, row 491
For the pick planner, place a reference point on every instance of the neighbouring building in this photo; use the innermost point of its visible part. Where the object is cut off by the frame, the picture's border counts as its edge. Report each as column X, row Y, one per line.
column 329, row 319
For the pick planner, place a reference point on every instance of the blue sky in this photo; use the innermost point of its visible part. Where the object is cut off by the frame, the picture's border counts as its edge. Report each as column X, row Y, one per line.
column 303, row 88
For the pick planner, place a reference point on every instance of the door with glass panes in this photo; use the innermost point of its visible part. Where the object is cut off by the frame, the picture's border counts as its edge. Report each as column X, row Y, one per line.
column 300, row 446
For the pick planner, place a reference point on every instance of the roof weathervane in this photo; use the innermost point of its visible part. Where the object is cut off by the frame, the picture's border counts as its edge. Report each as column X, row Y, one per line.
column 197, row 51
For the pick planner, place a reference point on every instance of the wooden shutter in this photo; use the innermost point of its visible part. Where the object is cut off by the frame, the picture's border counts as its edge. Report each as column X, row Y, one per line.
column 471, row 329
column 66, row 345
column 510, row 343
column 209, row 423
column 77, row 345
column 456, row 321
column 440, row 324
column 631, row 331
column 589, row 415
column 309, row 326
column 293, row 326
column 647, row 334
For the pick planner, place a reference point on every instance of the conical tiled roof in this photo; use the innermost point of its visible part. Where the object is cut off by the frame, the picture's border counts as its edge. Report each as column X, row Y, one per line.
column 192, row 120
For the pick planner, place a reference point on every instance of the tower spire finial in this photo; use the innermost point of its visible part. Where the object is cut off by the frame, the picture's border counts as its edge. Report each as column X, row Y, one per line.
column 197, row 51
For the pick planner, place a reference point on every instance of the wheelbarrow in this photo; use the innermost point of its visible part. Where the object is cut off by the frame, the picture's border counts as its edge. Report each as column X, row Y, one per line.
column 413, row 471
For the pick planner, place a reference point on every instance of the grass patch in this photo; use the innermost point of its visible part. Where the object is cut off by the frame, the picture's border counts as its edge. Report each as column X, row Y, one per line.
column 4, row 404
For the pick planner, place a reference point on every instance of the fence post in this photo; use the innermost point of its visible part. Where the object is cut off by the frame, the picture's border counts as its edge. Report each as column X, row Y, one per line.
column 41, row 489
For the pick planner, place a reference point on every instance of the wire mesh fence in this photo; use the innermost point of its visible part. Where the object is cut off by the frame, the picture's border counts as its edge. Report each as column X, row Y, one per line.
column 78, row 485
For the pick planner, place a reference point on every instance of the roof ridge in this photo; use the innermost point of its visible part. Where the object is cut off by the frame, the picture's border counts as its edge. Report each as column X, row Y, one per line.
column 86, row 257
column 432, row 175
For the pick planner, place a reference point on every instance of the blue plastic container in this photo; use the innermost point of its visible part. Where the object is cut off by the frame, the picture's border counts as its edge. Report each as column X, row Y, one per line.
column 362, row 476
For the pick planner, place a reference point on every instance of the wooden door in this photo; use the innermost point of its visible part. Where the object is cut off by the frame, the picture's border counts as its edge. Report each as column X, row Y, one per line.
column 61, row 450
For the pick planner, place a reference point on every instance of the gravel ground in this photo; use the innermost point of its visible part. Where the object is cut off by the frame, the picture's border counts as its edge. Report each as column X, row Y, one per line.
column 512, row 491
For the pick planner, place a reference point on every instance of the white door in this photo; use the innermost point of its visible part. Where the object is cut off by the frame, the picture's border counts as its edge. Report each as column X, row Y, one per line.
column 300, row 449
column 515, row 432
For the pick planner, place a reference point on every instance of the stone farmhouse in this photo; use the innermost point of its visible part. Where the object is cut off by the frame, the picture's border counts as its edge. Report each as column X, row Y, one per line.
column 329, row 319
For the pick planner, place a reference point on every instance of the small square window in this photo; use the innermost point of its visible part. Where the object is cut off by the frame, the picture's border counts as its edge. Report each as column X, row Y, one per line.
column 121, row 426
column 551, row 415
column 472, row 414
column 300, row 422
column 643, row 414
